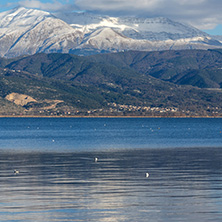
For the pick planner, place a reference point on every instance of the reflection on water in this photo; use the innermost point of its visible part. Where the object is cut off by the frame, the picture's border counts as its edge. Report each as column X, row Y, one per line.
column 184, row 185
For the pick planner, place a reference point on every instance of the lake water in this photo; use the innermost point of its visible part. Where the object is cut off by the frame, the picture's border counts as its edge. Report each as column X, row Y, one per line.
column 59, row 180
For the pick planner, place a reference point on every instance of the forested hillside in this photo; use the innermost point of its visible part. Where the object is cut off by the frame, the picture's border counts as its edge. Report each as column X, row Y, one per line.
column 168, row 83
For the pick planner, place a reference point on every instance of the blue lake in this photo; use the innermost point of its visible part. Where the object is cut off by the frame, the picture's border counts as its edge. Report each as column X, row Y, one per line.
column 59, row 180
column 83, row 134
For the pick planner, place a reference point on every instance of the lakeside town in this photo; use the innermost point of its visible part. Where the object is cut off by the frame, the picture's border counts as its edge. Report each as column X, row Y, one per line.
column 121, row 110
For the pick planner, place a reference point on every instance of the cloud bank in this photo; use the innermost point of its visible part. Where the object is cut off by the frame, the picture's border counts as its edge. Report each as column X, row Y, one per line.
column 54, row 6
column 203, row 14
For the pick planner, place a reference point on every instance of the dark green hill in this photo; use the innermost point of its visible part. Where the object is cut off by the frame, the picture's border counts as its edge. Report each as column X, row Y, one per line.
column 201, row 68
column 111, row 84
column 73, row 68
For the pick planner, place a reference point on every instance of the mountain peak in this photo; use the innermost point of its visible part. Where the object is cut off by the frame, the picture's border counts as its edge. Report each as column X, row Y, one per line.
column 22, row 11
column 21, row 17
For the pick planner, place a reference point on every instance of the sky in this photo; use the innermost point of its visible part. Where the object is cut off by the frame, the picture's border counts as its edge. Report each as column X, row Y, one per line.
column 202, row 14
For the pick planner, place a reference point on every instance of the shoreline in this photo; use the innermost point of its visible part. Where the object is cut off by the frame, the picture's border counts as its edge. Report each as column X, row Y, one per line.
column 40, row 116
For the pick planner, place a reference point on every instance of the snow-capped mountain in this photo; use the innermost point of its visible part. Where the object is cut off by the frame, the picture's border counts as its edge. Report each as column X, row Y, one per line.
column 137, row 28
column 29, row 31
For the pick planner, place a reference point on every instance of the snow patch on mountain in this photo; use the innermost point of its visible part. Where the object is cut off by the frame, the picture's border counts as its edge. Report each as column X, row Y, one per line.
column 136, row 28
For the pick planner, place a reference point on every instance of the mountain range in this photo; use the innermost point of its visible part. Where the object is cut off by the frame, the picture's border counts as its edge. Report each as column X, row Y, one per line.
column 165, row 83
column 55, row 64
column 28, row 31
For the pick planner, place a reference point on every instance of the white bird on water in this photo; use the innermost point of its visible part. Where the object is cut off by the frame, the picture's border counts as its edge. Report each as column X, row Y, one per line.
column 16, row 172
column 95, row 159
column 147, row 175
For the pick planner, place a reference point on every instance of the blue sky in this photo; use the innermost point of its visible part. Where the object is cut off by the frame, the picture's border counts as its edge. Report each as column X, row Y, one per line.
column 202, row 14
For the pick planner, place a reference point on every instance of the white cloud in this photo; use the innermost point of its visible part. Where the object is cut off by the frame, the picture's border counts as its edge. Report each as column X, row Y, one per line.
column 201, row 13
column 55, row 6
column 117, row 5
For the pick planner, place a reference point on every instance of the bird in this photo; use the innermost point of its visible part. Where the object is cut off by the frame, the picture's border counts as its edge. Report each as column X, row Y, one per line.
column 147, row 175
column 16, row 172
column 95, row 159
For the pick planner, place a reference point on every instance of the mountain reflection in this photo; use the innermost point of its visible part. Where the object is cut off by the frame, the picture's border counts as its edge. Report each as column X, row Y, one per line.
column 184, row 184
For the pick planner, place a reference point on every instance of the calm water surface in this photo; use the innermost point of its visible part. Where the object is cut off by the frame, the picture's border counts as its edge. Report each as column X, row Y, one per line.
column 58, row 179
